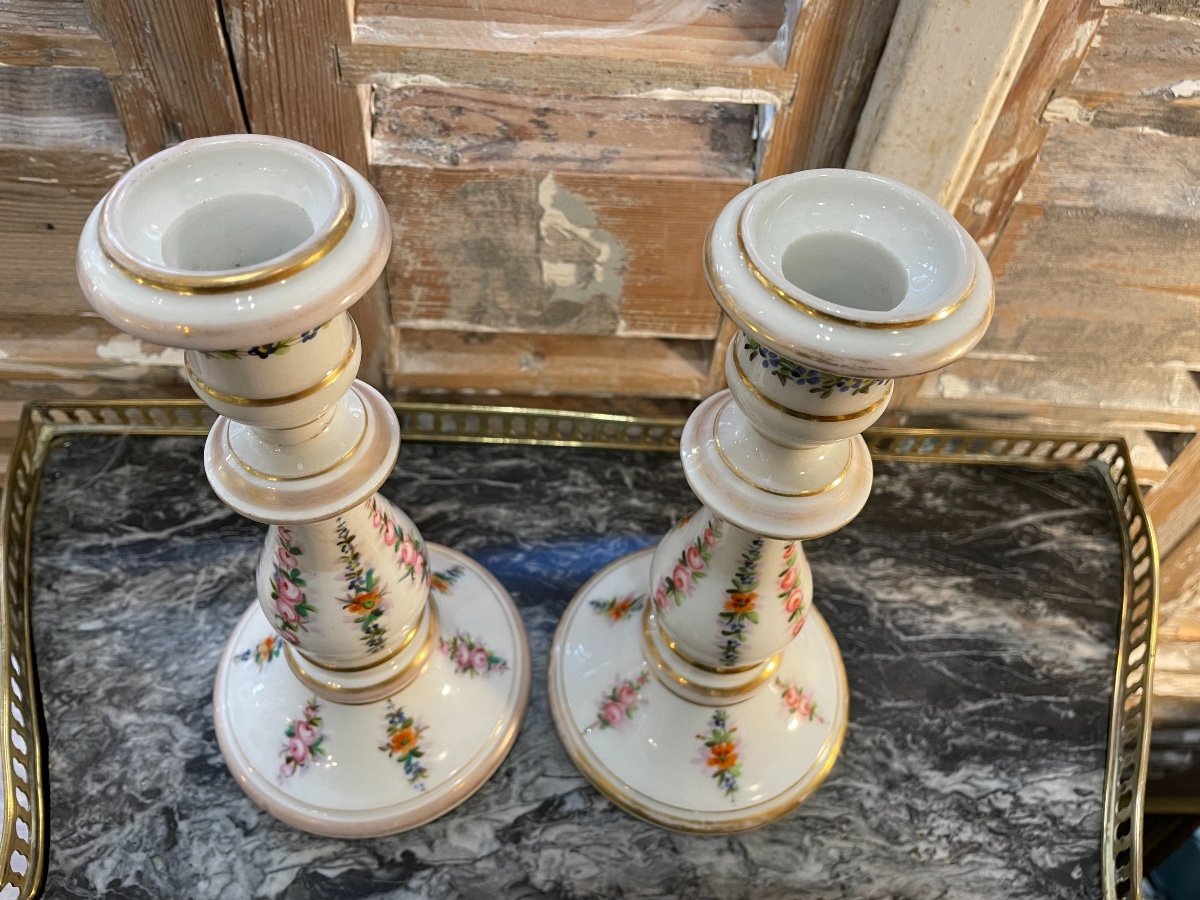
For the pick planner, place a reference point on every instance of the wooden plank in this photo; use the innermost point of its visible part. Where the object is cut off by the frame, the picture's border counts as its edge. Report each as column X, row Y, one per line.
column 834, row 57
column 1173, row 505
column 82, row 351
column 1067, row 280
column 174, row 80
column 51, row 33
column 698, row 31
column 284, row 52
column 58, row 109
column 45, row 197
column 1119, row 172
column 550, row 252
column 548, row 365
column 466, row 129
column 942, row 81
column 558, row 74
column 1054, row 55
column 1142, row 73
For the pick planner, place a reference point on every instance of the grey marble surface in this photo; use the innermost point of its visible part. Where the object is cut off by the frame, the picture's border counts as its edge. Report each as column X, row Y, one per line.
column 976, row 608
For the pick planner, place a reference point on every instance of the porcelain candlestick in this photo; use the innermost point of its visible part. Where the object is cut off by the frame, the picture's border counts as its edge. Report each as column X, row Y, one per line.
column 695, row 684
column 379, row 680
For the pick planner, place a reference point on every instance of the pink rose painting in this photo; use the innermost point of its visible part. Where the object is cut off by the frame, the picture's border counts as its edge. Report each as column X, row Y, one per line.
column 619, row 704
column 690, row 567
column 302, row 741
column 292, row 609
column 471, row 656
column 797, row 702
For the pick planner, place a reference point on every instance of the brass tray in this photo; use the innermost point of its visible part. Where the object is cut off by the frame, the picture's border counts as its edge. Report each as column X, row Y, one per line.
column 23, row 764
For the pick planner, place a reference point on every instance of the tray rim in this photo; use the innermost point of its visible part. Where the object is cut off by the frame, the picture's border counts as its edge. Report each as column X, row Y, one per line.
column 23, row 845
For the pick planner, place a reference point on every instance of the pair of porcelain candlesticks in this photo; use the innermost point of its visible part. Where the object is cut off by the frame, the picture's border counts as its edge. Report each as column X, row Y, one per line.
column 380, row 680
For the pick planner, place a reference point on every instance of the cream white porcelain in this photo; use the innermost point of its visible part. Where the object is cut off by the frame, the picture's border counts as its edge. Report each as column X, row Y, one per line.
column 839, row 282
column 900, row 250
column 134, row 290
column 374, row 685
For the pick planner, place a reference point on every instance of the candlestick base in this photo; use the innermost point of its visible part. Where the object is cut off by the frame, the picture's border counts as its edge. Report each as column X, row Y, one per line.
column 370, row 769
column 677, row 763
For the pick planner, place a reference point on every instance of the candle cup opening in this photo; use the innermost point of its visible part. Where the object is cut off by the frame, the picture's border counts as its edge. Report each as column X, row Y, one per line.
column 847, row 270
column 233, row 232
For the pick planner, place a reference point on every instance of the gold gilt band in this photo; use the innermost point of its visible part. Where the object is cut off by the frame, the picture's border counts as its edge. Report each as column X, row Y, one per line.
column 327, row 379
column 732, row 466
column 271, row 270
column 674, row 679
column 798, row 303
column 797, row 414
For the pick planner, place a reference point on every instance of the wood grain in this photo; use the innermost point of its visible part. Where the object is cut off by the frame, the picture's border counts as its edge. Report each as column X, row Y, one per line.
column 1143, row 73
column 52, row 33
column 548, row 365
column 693, row 31
column 560, row 74
column 470, row 129
column 1172, row 505
column 284, row 52
column 58, row 108
column 173, row 79
column 45, row 197
column 554, row 252
column 1058, row 47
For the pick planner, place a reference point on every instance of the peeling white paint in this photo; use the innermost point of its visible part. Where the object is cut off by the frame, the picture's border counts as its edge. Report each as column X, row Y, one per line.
column 714, row 94
column 1001, row 165
column 129, row 350
column 405, row 79
column 982, row 207
column 1182, row 89
column 33, row 179
column 3, row 355
column 1066, row 111
column 579, row 260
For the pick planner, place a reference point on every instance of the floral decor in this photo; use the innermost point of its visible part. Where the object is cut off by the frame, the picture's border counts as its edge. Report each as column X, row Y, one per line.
column 797, row 701
column 742, row 606
column 263, row 351
column 472, row 657
column 403, row 744
column 620, row 703
column 818, row 382
column 293, row 612
column 791, row 593
column 302, row 741
column 691, row 567
column 262, row 653
column 364, row 593
column 409, row 549
column 618, row 609
column 720, row 752
column 443, row 581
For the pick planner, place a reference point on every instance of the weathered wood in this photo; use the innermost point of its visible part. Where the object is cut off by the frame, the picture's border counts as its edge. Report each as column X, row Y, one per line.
column 694, row 31
column 939, row 89
column 550, row 252
column 51, row 33
column 834, row 56
column 1054, row 55
column 174, row 80
column 1121, row 172
column 548, row 365
column 1172, row 506
column 467, row 129
column 1143, row 73
column 286, row 60
column 57, row 109
column 45, row 197
column 559, row 74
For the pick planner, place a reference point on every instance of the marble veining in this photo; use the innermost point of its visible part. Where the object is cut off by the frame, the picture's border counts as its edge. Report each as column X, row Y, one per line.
column 976, row 609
